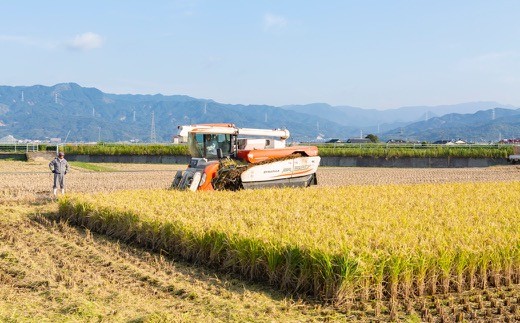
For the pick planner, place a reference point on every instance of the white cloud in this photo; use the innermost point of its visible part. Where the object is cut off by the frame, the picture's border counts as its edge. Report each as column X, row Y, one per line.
column 274, row 21
column 86, row 41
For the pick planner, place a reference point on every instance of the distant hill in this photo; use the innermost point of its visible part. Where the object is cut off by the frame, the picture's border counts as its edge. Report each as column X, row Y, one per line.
column 69, row 111
column 372, row 120
column 482, row 126
column 78, row 114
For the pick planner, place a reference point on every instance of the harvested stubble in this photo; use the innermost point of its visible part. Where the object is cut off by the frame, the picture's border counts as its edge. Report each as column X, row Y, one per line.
column 357, row 242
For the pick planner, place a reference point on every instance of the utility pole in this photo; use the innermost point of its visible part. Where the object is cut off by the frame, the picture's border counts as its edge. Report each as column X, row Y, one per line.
column 153, row 137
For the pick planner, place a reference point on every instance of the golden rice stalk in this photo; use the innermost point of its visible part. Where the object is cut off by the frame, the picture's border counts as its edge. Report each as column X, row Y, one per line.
column 379, row 241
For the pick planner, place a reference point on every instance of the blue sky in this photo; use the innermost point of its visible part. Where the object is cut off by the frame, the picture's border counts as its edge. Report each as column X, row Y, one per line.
column 371, row 54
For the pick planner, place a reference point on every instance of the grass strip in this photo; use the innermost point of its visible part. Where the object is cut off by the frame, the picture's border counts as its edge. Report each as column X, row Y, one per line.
column 121, row 149
column 382, row 151
column 92, row 167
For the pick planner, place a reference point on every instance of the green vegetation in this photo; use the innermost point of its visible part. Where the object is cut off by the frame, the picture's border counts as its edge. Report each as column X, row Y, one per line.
column 377, row 150
column 122, row 149
column 373, row 138
column 397, row 151
column 92, row 167
column 347, row 150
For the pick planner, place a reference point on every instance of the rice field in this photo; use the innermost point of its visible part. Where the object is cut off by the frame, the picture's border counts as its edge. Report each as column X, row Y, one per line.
column 340, row 244
column 385, row 244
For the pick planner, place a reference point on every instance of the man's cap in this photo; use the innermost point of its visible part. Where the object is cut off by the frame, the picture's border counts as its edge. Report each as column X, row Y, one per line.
column 61, row 154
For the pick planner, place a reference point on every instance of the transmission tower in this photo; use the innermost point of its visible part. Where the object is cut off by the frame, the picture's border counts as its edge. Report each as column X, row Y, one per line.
column 153, row 137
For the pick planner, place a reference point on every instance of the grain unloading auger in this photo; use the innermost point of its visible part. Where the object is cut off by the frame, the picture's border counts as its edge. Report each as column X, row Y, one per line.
column 224, row 157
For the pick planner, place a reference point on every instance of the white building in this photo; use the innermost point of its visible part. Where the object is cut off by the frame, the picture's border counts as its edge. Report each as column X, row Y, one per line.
column 8, row 140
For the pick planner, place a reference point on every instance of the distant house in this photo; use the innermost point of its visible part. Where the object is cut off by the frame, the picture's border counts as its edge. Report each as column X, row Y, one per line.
column 396, row 141
column 8, row 140
column 55, row 140
column 177, row 139
column 450, row 142
column 510, row 141
column 358, row 141
column 442, row 142
column 333, row 141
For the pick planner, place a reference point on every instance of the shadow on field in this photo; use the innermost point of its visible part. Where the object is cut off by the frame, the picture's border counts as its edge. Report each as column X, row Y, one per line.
column 157, row 266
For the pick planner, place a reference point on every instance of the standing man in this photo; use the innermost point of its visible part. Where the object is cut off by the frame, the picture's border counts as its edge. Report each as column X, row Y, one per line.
column 59, row 167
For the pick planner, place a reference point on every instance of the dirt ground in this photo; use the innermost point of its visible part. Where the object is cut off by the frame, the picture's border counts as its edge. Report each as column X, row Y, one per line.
column 22, row 179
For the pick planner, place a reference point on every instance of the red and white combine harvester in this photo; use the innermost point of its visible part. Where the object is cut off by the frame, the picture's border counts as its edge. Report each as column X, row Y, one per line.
column 224, row 157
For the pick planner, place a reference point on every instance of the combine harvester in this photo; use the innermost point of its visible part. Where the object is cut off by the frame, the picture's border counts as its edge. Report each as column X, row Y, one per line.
column 224, row 157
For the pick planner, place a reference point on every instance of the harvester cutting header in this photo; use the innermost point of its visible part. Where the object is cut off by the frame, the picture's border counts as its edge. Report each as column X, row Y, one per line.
column 226, row 157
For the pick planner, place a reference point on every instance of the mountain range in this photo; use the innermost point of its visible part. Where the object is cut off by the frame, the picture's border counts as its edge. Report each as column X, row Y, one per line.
column 79, row 114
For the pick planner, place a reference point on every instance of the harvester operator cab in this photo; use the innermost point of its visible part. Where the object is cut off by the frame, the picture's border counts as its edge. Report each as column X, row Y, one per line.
column 207, row 145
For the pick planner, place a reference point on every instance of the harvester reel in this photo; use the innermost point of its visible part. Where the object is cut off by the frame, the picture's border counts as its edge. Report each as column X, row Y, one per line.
column 228, row 176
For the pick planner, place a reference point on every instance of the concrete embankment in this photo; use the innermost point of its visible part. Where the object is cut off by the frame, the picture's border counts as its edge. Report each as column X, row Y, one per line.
column 403, row 162
column 13, row 156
